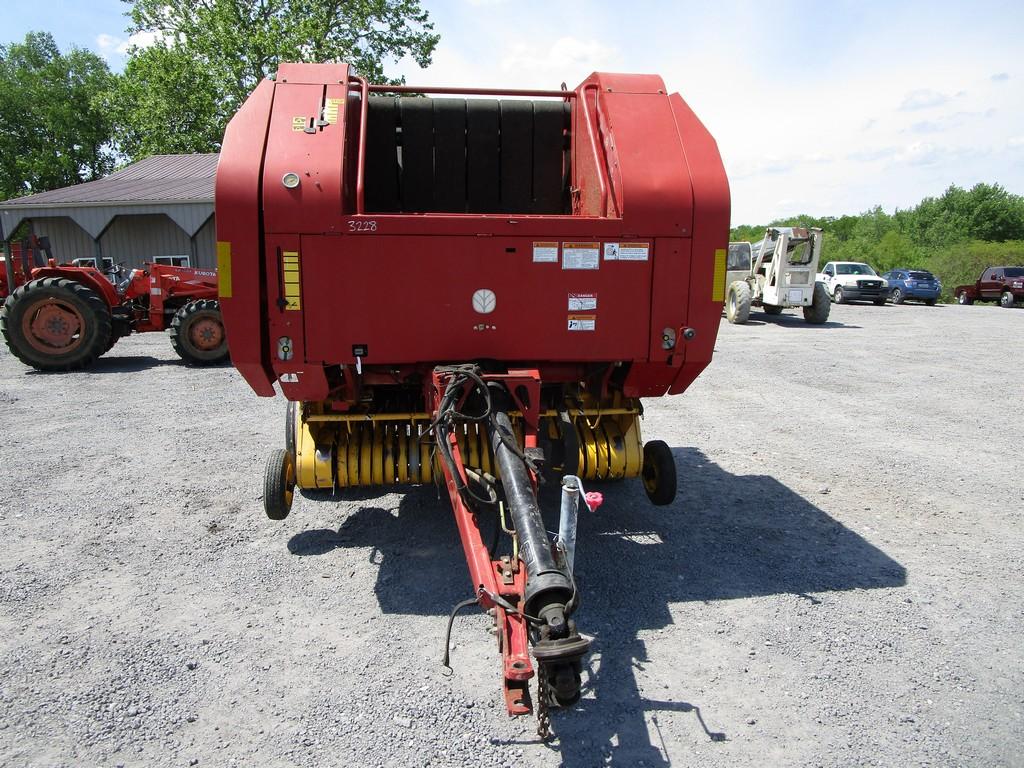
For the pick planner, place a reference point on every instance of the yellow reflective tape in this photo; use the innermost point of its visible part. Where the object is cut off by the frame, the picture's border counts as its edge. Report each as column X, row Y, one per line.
column 718, row 286
column 224, row 268
column 292, row 280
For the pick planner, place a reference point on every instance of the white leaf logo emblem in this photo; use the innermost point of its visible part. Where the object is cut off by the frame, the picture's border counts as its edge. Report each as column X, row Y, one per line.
column 484, row 301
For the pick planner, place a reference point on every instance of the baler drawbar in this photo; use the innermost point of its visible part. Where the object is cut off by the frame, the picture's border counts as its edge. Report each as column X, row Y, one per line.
column 479, row 292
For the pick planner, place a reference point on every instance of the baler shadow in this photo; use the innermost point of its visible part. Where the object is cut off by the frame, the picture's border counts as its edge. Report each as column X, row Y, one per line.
column 133, row 364
column 712, row 543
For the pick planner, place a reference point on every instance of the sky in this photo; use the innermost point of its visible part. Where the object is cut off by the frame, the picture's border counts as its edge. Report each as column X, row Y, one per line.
column 823, row 108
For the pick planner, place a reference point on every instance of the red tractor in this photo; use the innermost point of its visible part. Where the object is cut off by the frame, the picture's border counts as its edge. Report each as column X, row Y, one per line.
column 61, row 317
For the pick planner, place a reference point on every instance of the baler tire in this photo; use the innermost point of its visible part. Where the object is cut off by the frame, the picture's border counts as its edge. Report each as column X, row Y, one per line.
column 279, row 484
column 772, row 309
column 291, row 418
column 659, row 473
column 184, row 324
column 821, row 306
column 1007, row 299
column 964, row 299
column 72, row 299
column 737, row 304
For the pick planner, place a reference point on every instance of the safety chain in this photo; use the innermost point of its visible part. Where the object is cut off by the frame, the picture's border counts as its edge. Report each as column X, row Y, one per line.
column 543, row 694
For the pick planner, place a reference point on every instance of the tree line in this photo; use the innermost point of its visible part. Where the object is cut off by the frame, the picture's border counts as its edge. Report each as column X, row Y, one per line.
column 955, row 236
column 66, row 117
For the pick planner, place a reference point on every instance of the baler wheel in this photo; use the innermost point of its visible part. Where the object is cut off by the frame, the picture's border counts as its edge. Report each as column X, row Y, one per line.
column 659, row 473
column 279, row 484
column 55, row 324
column 197, row 333
column 737, row 305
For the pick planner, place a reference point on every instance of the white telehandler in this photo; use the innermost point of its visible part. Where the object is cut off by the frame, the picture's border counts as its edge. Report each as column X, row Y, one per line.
column 776, row 273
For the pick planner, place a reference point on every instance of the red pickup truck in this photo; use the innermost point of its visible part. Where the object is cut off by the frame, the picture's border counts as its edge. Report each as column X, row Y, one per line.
column 1002, row 284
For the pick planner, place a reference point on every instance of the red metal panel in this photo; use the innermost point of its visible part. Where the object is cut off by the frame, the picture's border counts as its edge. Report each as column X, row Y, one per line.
column 315, row 204
column 411, row 300
column 711, row 211
column 238, row 228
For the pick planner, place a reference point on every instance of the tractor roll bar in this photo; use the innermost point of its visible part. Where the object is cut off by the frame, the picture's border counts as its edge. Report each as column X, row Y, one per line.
column 365, row 89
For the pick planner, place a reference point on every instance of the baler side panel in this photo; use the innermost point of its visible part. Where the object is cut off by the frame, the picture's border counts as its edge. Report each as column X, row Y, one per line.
column 710, row 240
column 410, row 299
column 315, row 205
column 239, row 237
column 655, row 189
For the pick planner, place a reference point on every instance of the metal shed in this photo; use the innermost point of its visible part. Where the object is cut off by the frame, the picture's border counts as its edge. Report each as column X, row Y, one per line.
column 155, row 209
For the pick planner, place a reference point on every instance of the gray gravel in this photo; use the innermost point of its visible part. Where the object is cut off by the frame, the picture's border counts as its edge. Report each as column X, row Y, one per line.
column 839, row 583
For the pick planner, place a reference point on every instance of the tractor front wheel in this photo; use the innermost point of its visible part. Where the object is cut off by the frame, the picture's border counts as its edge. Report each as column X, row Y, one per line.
column 659, row 473
column 197, row 333
column 56, row 324
column 279, row 485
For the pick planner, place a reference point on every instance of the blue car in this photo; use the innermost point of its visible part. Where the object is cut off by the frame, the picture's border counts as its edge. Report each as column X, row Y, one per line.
column 914, row 284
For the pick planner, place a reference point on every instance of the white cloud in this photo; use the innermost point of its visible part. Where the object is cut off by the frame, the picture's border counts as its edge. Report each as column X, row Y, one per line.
column 1000, row 77
column 569, row 56
column 111, row 46
column 923, row 98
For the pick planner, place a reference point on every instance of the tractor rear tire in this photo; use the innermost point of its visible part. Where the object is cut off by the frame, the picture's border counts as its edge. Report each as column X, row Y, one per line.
column 197, row 333
column 737, row 304
column 772, row 309
column 56, row 324
column 659, row 473
column 821, row 305
column 279, row 485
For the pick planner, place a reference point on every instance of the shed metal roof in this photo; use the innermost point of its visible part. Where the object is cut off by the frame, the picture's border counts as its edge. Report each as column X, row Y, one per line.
column 157, row 179
column 180, row 186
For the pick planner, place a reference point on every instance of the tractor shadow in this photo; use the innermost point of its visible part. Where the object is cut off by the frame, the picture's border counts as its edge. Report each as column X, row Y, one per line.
column 790, row 320
column 710, row 544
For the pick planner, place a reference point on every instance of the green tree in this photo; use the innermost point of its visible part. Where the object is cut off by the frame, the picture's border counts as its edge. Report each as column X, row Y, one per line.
column 53, row 129
column 178, row 94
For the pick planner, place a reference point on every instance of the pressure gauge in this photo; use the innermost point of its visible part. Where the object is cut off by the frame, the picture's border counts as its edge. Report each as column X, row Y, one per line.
column 290, row 180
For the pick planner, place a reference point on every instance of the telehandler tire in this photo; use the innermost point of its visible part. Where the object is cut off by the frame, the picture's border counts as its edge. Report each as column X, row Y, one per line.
column 279, row 484
column 821, row 305
column 56, row 324
column 659, row 473
column 737, row 304
column 197, row 333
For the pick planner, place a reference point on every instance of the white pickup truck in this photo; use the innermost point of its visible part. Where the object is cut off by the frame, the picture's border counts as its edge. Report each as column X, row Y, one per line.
column 853, row 281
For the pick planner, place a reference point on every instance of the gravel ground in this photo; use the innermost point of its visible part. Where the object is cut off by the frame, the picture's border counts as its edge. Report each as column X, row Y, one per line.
column 839, row 582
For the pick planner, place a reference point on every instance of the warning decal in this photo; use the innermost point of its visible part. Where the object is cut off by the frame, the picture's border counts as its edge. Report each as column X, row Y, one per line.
column 298, row 123
column 582, row 322
column 581, row 256
column 611, row 251
column 545, row 253
column 331, row 110
column 582, row 302
column 634, row 251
